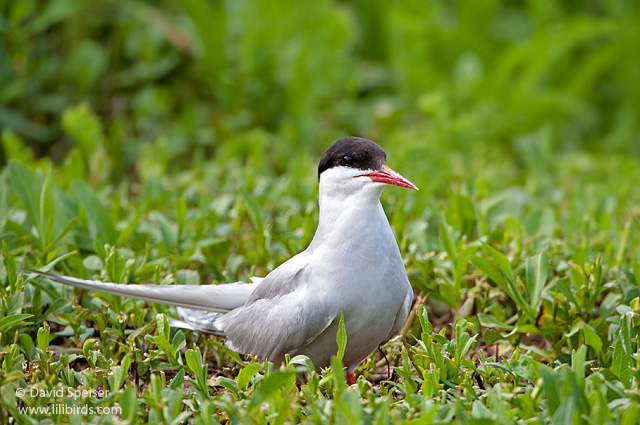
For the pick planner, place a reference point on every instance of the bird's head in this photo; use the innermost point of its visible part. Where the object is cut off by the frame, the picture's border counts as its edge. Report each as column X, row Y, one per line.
column 353, row 164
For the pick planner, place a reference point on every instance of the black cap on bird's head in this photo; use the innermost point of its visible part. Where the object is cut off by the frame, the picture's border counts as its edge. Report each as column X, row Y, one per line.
column 362, row 154
column 354, row 152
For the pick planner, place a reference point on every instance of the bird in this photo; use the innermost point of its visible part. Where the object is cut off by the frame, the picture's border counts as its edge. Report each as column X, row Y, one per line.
column 352, row 269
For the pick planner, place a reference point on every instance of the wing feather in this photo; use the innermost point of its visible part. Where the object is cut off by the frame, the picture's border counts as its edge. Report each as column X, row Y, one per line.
column 284, row 300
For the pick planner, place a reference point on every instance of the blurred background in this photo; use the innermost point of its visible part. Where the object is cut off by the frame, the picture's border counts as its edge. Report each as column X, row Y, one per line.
column 198, row 75
column 518, row 119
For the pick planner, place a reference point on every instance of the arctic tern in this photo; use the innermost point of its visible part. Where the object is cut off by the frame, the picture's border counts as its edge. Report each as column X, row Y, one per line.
column 352, row 267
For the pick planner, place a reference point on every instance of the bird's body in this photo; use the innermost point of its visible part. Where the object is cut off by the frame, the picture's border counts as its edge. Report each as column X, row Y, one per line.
column 352, row 267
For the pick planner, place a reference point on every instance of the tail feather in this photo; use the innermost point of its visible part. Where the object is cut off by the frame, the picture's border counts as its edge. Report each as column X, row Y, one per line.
column 197, row 320
column 212, row 298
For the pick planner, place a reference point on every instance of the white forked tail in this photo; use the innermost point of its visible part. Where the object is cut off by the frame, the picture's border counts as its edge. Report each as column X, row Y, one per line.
column 217, row 298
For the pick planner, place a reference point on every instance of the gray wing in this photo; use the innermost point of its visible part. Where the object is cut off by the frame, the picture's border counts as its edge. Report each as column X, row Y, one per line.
column 281, row 316
column 401, row 317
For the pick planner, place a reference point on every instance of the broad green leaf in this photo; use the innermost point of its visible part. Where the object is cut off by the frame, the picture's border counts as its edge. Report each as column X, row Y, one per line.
column 490, row 320
column 245, row 375
column 96, row 212
column 27, row 346
column 503, row 263
column 270, row 385
column 537, row 273
column 129, row 404
column 630, row 415
column 168, row 229
column 43, row 337
column 178, row 381
column 7, row 321
column 447, row 239
column 255, row 212
column 505, row 281
column 491, row 336
column 229, row 384
column 339, row 376
column 622, row 360
column 178, row 341
column 578, row 358
column 350, row 408
column 119, row 373
column 552, row 388
column 87, row 346
column 491, row 271
column 592, row 339
column 125, row 235
column 28, row 187
column 162, row 324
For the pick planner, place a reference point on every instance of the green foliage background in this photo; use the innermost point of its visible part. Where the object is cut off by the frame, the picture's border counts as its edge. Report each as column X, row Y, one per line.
column 177, row 142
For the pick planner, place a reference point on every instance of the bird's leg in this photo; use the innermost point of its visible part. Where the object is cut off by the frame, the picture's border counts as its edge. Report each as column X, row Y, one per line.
column 387, row 361
column 351, row 376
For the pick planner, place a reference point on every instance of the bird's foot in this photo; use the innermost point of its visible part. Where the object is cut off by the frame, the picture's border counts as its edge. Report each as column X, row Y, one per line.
column 351, row 378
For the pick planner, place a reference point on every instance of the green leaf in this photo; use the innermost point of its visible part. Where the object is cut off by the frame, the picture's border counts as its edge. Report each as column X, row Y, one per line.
column 341, row 338
column 270, row 385
column 447, row 239
column 9, row 268
column 630, row 415
column 178, row 381
column 26, row 344
column 490, row 321
column 255, row 212
column 125, row 235
column 578, row 358
column 245, row 375
column 7, row 321
column 45, row 226
column 350, row 408
column 129, row 404
column 229, row 384
column 96, row 212
column 592, row 339
column 178, row 341
column 169, row 231
column 162, row 324
column 116, row 267
column 503, row 263
column 28, row 187
column 537, row 273
column 339, row 376
column 491, row 336
column 194, row 361
column 84, row 127
column 87, row 346
column 119, row 373
column 552, row 388
column 565, row 288
column 503, row 277
column 43, row 337
column 622, row 359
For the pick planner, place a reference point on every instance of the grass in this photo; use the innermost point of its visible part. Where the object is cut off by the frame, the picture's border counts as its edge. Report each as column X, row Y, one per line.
column 178, row 142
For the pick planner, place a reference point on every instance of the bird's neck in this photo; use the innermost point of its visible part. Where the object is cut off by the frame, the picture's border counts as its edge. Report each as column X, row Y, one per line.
column 346, row 214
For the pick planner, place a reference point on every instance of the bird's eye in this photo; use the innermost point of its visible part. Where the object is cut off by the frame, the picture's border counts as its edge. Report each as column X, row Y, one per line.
column 346, row 160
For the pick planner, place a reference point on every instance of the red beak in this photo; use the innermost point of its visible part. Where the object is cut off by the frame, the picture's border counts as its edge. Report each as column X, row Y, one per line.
column 388, row 176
